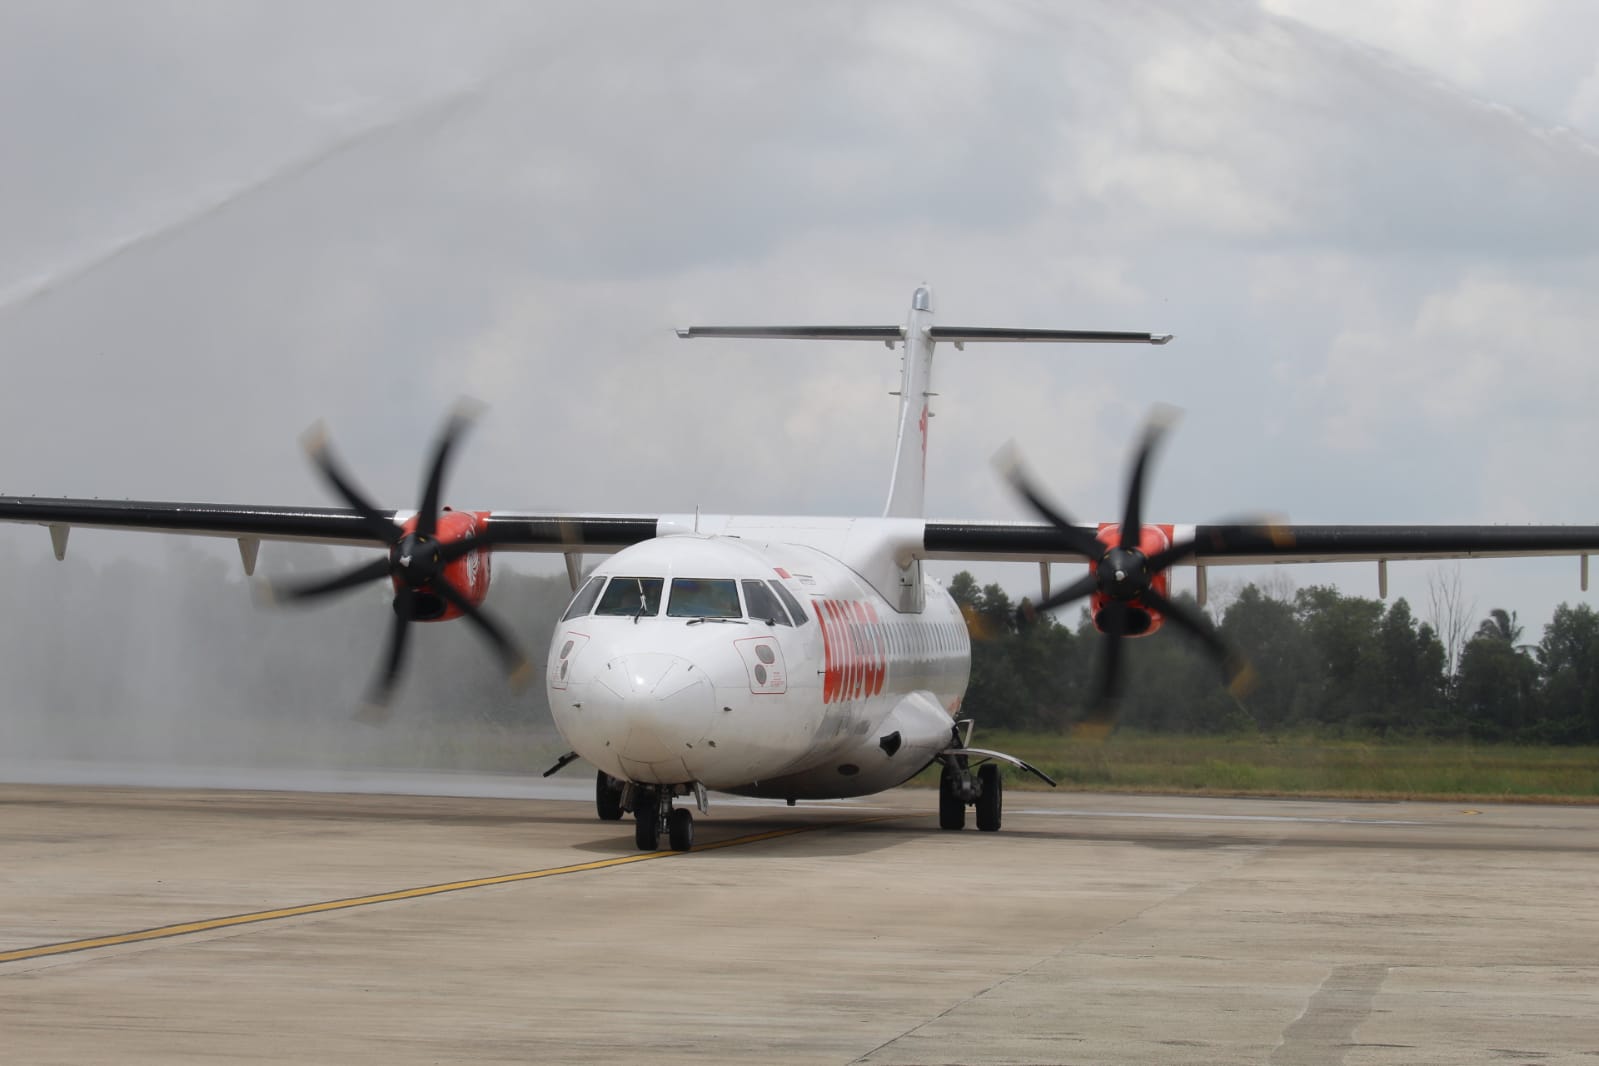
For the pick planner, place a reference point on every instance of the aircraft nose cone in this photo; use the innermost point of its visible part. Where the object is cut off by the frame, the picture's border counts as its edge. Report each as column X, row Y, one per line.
column 660, row 705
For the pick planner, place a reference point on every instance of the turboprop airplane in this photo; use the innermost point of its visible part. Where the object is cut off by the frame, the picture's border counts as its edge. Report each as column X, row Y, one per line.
column 784, row 657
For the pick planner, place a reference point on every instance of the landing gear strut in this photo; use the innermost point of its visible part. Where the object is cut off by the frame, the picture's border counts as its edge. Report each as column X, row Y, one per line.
column 654, row 817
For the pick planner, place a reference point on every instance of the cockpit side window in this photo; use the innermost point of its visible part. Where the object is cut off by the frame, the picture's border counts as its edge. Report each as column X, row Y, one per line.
column 584, row 600
column 704, row 597
column 632, row 597
column 760, row 602
column 788, row 598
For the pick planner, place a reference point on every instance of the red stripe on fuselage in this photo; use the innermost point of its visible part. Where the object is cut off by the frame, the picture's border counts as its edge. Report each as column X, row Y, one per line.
column 854, row 650
column 829, row 655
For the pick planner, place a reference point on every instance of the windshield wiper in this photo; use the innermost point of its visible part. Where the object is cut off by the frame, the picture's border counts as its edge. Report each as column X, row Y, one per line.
column 723, row 621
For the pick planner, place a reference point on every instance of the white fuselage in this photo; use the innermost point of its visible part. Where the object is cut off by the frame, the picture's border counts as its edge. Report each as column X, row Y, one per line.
column 688, row 664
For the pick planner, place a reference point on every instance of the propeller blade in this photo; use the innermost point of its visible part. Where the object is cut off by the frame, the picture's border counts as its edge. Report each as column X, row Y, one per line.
column 1110, row 666
column 1257, row 525
column 292, row 592
column 455, row 549
column 376, row 709
column 1160, row 420
column 1075, row 591
column 1241, row 676
column 518, row 669
column 1077, row 538
column 1174, row 554
column 315, row 442
column 460, row 420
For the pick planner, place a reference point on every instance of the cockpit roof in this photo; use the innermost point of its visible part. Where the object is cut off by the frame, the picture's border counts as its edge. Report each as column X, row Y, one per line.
column 688, row 555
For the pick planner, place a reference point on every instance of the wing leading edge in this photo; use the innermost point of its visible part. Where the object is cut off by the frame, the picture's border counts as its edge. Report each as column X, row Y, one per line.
column 1215, row 545
column 504, row 530
column 1253, row 544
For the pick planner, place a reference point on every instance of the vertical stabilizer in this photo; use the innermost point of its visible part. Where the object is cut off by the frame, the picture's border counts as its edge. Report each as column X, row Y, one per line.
column 907, row 486
column 918, row 335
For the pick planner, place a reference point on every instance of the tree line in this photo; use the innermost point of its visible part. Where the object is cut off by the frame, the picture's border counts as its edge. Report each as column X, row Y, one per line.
column 1322, row 662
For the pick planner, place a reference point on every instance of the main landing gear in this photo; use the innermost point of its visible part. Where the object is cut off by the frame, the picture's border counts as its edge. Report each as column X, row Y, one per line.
column 654, row 816
column 984, row 790
column 958, row 787
column 608, row 797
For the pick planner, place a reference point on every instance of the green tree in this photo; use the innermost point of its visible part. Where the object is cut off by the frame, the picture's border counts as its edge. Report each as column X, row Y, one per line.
column 1501, row 625
column 1569, row 659
column 1343, row 630
column 1267, row 631
column 1410, row 675
column 1496, row 689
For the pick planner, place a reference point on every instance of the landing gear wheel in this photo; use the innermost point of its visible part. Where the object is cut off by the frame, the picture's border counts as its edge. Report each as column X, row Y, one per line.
column 646, row 822
column 607, row 798
column 990, row 797
column 951, row 808
column 680, row 830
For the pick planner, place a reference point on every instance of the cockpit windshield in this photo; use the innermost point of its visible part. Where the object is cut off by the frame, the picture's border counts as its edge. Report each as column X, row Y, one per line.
column 632, row 597
column 583, row 602
column 763, row 604
column 704, row 597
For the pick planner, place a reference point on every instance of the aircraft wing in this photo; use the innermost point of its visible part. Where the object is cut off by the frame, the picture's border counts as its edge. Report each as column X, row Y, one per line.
column 1254, row 544
column 504, row 530
column 1215, row 545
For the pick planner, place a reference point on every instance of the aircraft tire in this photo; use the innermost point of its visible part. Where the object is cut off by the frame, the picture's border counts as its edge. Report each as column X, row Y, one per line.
column 951, row 809
column 607, row 800
column 991, row 798
column 646, row 826
column 680, row 831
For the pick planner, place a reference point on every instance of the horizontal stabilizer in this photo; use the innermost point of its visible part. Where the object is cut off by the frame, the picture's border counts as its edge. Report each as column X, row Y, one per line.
column 954, row 334
column 963, row 334
column 885, row 334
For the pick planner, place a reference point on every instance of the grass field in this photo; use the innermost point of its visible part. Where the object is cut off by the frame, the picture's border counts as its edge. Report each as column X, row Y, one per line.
column 1125, row 762
column 1304, row 766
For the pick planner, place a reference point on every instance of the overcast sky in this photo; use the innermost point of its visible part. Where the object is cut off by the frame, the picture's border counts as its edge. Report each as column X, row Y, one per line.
column 1372, row 227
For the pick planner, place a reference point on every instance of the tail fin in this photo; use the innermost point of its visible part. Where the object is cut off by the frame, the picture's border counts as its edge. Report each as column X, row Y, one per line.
column 907, row 486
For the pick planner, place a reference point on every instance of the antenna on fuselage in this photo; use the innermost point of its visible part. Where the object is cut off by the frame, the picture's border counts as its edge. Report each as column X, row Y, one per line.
column 907, row 485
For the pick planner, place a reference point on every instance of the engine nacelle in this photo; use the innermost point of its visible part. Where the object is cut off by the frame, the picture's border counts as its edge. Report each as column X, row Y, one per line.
column 1140, row 620
column 468, row 575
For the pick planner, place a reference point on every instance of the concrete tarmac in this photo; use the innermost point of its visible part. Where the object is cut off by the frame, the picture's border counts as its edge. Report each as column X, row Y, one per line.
column 1092, row 929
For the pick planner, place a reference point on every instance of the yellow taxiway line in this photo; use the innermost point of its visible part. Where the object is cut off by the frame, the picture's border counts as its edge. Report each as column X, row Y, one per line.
column 209, row 924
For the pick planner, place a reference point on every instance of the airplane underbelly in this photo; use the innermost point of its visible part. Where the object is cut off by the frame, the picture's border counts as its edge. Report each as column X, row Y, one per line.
column 893, row 750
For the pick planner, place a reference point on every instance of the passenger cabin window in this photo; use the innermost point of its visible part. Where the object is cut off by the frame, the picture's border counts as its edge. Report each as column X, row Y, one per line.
column 762, row 604
column 794, row 609
column 583, row 602
column 703, row 597
column 632, row 597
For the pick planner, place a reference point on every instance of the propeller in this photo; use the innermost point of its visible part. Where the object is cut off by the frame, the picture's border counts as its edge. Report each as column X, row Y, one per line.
column 416, row 563
column 1124, row 575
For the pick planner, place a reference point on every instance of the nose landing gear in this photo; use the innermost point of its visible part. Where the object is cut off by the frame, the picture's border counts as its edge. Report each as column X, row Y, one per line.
column 654, row 817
